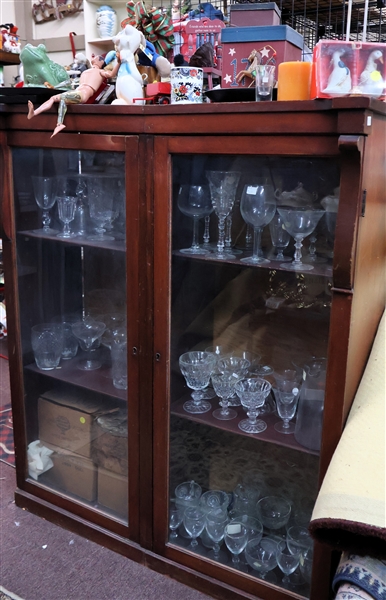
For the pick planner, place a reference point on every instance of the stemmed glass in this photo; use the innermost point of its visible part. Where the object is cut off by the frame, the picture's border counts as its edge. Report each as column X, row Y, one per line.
column 299, row 541
column 175, row 519
column 299, row 223
column 286, row 394
column 102, row 207
column 287, row 562
column 237, row 367
column 197, row 368
column 235, row 538
column 215, row 528
column 66, row 211
column 274, row 512
column 261, row 555
column 224, row 386
column 194, row 520
column 257, row 207
column 252, row 393
column 223, row 186
column 44, row 192
column 280, row 239
column 88, row 331
column 194, row 201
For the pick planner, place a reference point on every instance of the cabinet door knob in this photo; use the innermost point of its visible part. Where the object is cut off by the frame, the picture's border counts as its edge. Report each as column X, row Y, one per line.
column 135, row 350
column 157, row 356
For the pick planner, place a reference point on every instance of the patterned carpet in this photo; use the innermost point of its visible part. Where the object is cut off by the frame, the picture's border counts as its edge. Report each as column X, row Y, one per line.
column 7, row 453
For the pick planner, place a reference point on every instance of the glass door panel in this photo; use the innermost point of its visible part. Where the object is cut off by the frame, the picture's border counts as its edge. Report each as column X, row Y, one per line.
column 71, row 261
column 252, row 247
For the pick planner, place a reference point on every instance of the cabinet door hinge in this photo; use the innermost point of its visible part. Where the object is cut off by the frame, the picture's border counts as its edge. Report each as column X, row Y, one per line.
column 364, row 194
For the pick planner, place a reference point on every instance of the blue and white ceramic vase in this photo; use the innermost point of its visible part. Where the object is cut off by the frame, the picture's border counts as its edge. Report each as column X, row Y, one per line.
column 106, row 21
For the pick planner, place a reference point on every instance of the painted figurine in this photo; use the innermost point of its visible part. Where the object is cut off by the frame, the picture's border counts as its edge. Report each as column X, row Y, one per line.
column 129, row 83
column 371, row 82
column 254, row 60
column 339, row 81
column 89, row 83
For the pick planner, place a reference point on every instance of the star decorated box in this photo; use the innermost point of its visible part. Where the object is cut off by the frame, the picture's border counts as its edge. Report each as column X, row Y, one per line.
column 348, row 68
column 244, row 15
column 276, row 44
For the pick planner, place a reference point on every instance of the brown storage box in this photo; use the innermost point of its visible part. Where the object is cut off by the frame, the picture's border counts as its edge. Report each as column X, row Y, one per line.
column 109, row 444
column 72, row 474
column 245, row 15
column 66, row 420
column 113, row 491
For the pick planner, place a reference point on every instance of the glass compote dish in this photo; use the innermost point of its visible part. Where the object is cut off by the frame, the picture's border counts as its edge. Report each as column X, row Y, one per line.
column 223, row 187
column 224, row 386
column 66, row 211
column 194, row 201
column 194, row 520
column 215, row 528
column 235, row 538
column 299, row 222
column 252, row 392
column 257, row 207
column 44, row 192
column 286, row 392
column 102, row 206
column 280, row 239
column 287, row 562
column 197, row 368
column 261, row 555
column 88, row 331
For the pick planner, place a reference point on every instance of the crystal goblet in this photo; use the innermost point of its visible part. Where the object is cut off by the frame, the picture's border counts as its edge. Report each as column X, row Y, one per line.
column 252, row 392
column 234, row 365
column 215, row 528
column 214, row 500
column 194, row 519
column 305, row 565
column 224, row 386
column 44, row 192
column 194, row 201
column 223, row 186
column 274, row 512
column 299, row 223
column 187, row 494
column 88, row 331
column 66, row 211
column 102, row 207
column 257, row 207
column 280, row 239
column 287, row 562
column 261, row 555
column 197, row 368
column 235, row 538
column 286, row 394
column 175, row 519
column 299, row 540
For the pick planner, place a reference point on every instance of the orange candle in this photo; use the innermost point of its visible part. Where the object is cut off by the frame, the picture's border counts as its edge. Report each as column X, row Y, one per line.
column 294, row 80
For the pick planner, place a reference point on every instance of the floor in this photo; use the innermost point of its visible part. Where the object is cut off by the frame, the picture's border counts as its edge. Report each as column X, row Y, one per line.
column 40, row 561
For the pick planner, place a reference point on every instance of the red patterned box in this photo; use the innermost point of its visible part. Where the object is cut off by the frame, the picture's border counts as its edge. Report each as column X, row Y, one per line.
column 348, row 68
column 276, row 44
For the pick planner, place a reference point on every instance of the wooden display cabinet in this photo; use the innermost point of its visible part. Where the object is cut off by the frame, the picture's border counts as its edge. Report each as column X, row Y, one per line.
column 133, row 447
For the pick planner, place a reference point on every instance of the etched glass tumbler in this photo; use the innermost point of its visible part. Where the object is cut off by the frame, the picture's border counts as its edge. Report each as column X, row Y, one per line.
column 66, row 211
column 197, row 368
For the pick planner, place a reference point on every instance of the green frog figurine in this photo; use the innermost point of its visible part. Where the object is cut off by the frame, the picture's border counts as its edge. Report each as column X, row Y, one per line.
column 40, row 70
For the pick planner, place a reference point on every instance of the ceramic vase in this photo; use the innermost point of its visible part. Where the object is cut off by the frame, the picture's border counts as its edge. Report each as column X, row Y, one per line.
column 106, row 21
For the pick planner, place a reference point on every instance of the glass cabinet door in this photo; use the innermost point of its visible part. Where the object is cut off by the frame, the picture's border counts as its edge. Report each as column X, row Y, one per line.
column 252, row 240
column 71, row 266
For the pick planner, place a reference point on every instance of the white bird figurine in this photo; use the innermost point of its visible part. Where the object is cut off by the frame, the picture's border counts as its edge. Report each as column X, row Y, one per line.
column 371, row 81
column 339, row 81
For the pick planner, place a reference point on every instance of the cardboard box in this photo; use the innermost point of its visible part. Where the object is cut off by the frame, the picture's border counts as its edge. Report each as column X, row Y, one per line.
column 72, row 474
column 276, row 44
column 245, row 15
column 348, row 68
column 113, row 491
column 109, row 447
column 66, row 420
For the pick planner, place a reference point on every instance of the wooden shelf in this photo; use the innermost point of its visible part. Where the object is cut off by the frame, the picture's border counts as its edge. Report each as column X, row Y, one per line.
column 119, row 246
column 9, row 58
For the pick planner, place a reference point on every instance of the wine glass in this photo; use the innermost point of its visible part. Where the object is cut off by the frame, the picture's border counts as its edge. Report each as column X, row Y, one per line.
column 299, row 541
column 252, row 392
column 261, row 555
column 286, row 394
column 224, row 386
column 102, row 207
column 287, row 562
column 44, row 192
column 235, row 538
column 88, row 331
column 299, row 223
column 257, row 207
column 194, row 201
column 274, row 512
column 194, row 519
column 236, row 366
column 280, row 239
column 223, row 186
column 175, row 519
column 215, row 528
column 312, row 257
column 66, row 211
column 305, row 564
column 197, row 368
